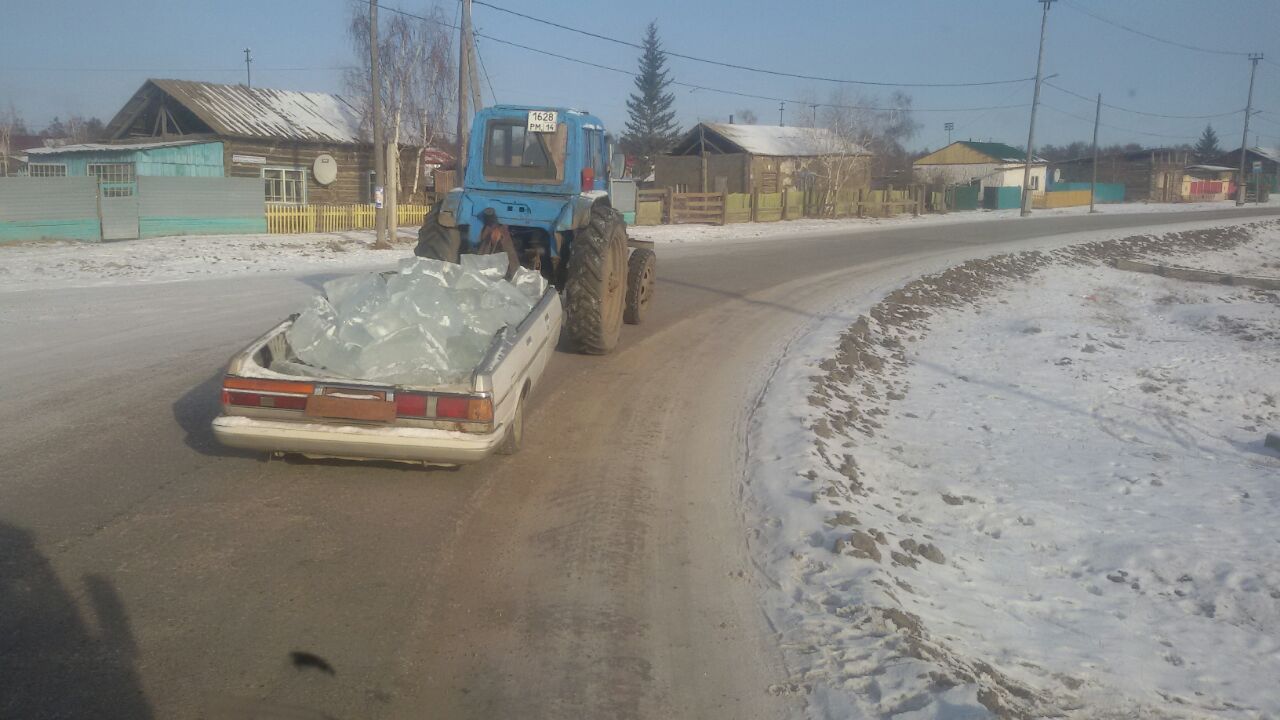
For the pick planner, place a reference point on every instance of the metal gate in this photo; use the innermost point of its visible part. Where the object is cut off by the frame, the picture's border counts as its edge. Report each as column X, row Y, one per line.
column 119, row 217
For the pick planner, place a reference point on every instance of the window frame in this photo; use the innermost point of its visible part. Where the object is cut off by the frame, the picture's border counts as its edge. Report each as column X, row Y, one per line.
column 32, row 165
column 554, row 148
column 284, row 181
column 112, row 185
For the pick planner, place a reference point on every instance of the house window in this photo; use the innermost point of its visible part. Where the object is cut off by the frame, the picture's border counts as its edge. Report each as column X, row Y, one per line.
column 285, row 185
column 115, row 179
column 47, row 170
column 1035, row 182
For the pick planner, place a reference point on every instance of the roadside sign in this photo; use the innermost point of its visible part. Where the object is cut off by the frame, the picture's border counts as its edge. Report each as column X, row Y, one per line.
column 1257, row 166
column 378, row 196
column 542, row 121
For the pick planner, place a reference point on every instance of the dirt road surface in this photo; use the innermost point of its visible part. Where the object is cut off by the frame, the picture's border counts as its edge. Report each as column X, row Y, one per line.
column 601, row 573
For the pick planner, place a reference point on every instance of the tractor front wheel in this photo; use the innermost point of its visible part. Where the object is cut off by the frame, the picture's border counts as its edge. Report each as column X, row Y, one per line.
column 436, row 241
column 595, row 288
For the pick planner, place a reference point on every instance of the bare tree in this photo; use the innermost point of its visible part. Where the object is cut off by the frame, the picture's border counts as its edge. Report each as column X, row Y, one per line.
column 859, row 126
column 416, row 67
column 10, row 124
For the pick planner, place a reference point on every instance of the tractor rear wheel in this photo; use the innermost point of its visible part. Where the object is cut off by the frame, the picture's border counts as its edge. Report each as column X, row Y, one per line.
column 436, row 241
column 596, row 285
column 641, row 275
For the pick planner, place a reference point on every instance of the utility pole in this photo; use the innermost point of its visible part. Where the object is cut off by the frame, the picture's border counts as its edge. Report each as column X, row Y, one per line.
column 949, row 127
column 248, row 77
column 1244, row 141
column 380, row 239
column 1093, row 186
column 815, row 115
column 781, row 107
column 464, row 82
column 1035, row 101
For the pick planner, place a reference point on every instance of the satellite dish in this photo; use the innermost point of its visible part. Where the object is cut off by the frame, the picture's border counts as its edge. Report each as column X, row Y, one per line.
column 325, row 169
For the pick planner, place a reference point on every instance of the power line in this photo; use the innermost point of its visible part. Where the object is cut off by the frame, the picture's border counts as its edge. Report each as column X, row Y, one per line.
column 1142, row 112
column 484, row 69
column 1149, row 36
column 747, row 68
column 1116, row 127
column 706, row 88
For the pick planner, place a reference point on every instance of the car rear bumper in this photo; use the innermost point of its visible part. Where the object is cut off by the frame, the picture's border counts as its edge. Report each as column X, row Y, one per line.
column 446, row 447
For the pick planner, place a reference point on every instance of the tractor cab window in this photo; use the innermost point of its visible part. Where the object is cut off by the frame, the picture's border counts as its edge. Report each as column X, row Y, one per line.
column 512, row 154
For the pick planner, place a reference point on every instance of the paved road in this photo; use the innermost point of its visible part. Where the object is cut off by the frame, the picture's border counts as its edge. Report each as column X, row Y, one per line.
column 603, row 572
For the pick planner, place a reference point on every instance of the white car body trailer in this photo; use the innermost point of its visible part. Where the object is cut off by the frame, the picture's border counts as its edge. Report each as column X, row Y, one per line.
column 337, row 417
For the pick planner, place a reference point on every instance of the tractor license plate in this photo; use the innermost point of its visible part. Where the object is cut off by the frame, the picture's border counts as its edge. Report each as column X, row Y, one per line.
column 337, row 404
column 542, row 121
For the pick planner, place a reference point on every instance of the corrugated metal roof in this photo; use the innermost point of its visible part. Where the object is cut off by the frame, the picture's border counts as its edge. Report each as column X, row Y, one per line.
column 999, row 151
column 100, row 147
column 784, row 141
column 242, row 111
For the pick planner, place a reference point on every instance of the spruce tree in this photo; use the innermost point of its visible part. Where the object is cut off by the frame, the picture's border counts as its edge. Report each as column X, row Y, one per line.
column 1208, row 144
column 651, row 128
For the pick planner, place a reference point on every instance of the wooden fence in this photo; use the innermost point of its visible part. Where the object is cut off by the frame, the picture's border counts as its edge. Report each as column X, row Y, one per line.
column 335, row 218
column 697, row 208
column 651, row 207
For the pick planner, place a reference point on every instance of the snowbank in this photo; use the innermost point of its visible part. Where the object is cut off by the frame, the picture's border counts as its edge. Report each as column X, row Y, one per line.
column 1033, row 485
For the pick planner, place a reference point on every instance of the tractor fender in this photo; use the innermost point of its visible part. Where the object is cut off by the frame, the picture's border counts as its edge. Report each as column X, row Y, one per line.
column 577, row 212
column 451, row 208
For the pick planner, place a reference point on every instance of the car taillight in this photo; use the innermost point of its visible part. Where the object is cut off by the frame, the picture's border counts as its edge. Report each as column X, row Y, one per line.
column 588, row 179
column 451, row 407
column 463, row 408
column 408, row 405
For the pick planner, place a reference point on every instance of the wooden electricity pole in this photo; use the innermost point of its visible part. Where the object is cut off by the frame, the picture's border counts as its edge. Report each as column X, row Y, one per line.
column 1035, row 102
column 380, row 239
column 1093, row 186
column 464, row 83
column 1244, row 140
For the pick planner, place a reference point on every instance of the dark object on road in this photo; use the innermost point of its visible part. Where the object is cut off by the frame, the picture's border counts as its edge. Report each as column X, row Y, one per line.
column 1273, row 441
column 304, row 660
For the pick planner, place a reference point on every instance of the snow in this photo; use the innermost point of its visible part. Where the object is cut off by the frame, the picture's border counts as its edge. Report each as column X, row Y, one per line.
column 268, row 113
column 43, row 265
column 776, row 141
column 789, row 228
column 1067, row 460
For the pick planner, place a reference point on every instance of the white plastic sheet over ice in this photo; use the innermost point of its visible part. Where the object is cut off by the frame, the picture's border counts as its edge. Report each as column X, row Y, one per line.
column 428, row 324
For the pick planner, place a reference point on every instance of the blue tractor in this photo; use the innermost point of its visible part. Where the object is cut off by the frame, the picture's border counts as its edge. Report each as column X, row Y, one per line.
column 543, row 175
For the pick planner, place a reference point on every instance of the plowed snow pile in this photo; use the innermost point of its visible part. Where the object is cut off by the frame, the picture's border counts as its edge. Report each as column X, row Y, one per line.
column 428, row 324
column 1036, row 485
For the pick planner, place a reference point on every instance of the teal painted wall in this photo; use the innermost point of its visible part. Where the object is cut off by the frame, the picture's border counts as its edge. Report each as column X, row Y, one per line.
column 87, row 230
column 1001, row 198
column 199, row 160
column 1106, row 192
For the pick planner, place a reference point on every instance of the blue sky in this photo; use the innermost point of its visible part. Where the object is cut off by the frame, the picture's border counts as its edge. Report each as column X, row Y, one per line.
column 87, row 57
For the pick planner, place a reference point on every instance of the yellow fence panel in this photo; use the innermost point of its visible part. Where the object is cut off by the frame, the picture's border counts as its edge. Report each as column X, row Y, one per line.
column 336, row 218
column 1064, row 198
column 769, row 208
column 737, row 207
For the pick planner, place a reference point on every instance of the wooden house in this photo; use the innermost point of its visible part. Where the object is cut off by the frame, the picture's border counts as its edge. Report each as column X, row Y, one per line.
column 1268, row 163
column 723, row 157
column 1154, row 175
column 985, row 164
column 306, row 147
